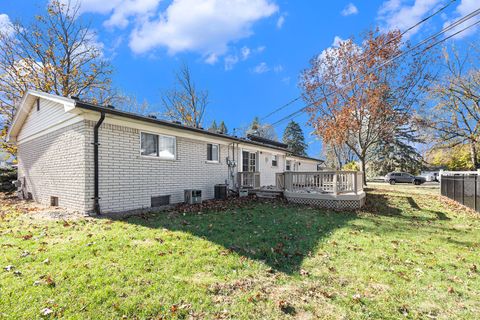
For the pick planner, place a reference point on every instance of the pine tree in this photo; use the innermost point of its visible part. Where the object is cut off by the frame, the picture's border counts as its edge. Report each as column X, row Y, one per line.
column 213, row 127
column 223, row 128
column 396, row 154
column 294, row 138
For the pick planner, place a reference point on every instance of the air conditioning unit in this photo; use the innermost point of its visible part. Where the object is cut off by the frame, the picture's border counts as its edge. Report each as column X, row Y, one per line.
column 193, row 196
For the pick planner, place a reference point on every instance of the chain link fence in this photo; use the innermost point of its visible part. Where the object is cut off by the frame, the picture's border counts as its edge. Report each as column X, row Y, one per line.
column 463, row 188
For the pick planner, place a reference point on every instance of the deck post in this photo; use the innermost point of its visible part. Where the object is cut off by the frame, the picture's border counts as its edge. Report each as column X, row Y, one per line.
column 335, row 183
column 355, row 183
column 288, row 181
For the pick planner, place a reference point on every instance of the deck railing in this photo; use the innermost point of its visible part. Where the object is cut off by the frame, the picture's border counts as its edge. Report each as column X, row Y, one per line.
column 249, row 180
column 333, row 182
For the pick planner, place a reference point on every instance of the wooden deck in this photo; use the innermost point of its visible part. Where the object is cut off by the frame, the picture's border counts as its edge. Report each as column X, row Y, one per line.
column 329, row 189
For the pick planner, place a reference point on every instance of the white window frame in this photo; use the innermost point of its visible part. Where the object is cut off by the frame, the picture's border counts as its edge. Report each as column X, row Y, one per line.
column 276, row 160
column 158, row 146
column 218, row 153
column 288, row 163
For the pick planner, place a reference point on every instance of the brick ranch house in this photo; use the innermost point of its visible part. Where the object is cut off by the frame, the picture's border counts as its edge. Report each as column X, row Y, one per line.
column 92, row 158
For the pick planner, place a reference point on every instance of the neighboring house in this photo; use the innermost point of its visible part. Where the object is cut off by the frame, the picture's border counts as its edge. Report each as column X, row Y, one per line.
column 91, row 158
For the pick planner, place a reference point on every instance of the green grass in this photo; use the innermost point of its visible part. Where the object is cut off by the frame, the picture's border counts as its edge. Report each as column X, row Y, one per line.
column 406, row 255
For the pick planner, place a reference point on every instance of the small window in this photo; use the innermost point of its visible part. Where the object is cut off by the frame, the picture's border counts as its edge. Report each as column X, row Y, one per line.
column 288, row 166
column 154, row 145
column 213, row 152
column 38, row 104
column 54, row 201
column 274, row 161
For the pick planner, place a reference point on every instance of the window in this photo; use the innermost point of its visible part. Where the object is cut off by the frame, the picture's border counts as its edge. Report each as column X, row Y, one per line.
column 167, row 147
column 274, row 161
column 149, row 145
column 154, row 145
column 288, row 166
column 249, row 161
column 213, row 152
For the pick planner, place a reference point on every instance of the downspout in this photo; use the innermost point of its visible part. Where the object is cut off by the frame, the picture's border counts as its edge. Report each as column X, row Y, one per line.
column 96, row 197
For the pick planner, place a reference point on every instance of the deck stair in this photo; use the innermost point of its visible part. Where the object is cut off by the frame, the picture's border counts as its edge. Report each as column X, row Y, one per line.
column 267, row 193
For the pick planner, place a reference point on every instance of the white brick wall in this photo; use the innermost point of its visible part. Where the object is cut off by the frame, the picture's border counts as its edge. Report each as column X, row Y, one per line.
column 54, row 165
column 128, row 180
column 60, row 164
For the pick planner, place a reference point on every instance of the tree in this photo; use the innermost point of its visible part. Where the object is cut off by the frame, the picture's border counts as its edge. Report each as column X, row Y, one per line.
column 266, row 131
column 396, row 154
column 351, row 166
column 57, row 53
column 213, row 127
column 358, row 95
column 294, row 138
column 455, row 113
column 454, row 158
column 185, row 103
column 223, row 128
column 337, row 156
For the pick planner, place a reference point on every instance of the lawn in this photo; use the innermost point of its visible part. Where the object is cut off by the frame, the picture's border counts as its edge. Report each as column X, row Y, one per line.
column 407, row 254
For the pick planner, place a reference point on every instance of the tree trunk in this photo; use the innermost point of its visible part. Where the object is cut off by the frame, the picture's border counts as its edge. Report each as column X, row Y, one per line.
column 473, row 155
column 362, row 168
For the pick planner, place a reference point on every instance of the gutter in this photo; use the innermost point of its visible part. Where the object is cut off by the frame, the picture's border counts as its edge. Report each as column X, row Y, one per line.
column 96, row 197
column 129, row 115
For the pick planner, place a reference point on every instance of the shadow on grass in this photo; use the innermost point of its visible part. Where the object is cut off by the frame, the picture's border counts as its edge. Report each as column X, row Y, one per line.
column 382, row 204
column 277, row 234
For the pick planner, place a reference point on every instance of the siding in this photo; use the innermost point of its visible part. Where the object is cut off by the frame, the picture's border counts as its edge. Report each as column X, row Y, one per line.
column 51, row 113
column 128, row 180
column 54, row 165
column 267, row 171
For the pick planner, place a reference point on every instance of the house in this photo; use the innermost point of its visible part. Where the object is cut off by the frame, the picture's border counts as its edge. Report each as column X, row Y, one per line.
column 94, row 158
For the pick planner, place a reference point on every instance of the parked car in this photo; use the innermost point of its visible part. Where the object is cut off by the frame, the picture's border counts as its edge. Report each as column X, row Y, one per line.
column 403, row 177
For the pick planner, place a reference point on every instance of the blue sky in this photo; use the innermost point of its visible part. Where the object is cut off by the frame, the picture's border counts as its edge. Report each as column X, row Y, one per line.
column 247, row 53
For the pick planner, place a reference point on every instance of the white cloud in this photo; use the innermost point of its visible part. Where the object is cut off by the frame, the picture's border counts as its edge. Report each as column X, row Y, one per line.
column 337, row 40
column 261, row 68
column 230, row 62
column 402, row 14
column 465, row 7
column 120, row 11
column 206, row 26
column 349, row 10
column 246, row 53
column 280, row 22
column 203, row 26
column 5, row 24
column 278, row 68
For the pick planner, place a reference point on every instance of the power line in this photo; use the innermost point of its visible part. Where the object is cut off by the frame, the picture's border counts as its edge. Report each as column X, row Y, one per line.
column 360, row 60
column 446, row 29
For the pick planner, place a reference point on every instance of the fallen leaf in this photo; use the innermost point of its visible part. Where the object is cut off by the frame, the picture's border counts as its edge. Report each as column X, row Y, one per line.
column 46, row 312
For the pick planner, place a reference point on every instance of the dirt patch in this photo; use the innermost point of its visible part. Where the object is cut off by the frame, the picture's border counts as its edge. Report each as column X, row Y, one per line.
column 11, row 205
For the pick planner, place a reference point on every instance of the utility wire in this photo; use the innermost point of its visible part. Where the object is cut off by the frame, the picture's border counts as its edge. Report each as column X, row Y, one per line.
column 360, row 60
column 446, row 29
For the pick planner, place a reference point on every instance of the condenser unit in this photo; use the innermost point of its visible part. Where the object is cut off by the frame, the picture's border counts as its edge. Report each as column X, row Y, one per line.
column 193, row 196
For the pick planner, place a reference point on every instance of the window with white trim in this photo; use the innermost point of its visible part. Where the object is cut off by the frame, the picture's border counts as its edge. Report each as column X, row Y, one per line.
column 154, row 145
column 213, row 152
column 274, row 160
column 288, row 165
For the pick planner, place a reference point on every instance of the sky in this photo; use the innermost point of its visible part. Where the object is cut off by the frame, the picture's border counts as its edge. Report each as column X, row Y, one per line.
column 248, row 54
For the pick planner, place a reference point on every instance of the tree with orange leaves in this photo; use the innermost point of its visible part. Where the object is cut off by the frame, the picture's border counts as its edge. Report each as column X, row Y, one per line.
column 360, row 95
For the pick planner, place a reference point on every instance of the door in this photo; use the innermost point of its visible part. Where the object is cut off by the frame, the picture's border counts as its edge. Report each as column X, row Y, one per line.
column 249, row 161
